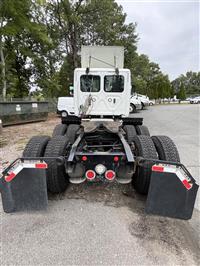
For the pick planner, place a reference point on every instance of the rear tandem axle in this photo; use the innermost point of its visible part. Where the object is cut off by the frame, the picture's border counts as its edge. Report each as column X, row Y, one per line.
column 100, row 150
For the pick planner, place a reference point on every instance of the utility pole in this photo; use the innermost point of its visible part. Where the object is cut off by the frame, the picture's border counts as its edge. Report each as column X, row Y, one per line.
column 3, row 65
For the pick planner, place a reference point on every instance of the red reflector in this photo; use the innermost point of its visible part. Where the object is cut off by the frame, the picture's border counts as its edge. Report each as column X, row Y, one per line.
column 110, row 175
column 157, row 168
column 116, row 159
column 84, row 158
column 186, row 184
column 90, row 174
column 10, row 177
column 41, row 165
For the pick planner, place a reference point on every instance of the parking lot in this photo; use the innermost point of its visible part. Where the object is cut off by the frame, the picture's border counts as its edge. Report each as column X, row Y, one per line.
column 105, row 224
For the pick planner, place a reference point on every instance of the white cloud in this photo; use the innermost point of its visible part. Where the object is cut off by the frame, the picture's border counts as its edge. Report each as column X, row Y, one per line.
column 168, row 32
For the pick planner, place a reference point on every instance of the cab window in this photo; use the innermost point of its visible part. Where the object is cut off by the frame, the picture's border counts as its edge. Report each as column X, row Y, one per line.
column 90, row 83
column 114, row 83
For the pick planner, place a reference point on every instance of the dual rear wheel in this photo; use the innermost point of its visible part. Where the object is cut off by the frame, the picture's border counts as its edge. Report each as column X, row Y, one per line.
column 43, row 146
column 154, row 148
column 132, row 131
column 70, row 131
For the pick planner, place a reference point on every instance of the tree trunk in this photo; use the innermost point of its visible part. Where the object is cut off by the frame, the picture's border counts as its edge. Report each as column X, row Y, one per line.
column 3, row 71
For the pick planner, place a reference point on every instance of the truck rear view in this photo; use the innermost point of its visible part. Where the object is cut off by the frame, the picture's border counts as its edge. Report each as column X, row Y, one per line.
column 103, row 143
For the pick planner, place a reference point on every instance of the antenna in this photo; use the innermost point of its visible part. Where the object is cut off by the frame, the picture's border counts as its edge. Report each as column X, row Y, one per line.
column 115, row 63
column 88, row 68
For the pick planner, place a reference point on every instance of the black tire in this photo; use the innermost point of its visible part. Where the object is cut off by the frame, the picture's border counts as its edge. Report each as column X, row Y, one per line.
column 130, row 132
column 36, row 146
column 166, row 148
column 72, row 132
column 133, row 108
column 145, row 148
column 59, row 130
column 142, row 130
column 57, row 179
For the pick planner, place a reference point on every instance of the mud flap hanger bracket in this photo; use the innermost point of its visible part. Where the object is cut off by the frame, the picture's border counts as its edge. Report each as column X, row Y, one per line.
column 141, row 162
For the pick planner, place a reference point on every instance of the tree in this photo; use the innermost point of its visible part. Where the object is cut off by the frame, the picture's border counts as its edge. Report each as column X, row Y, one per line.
column 148, row 79
column 40, row 44
column 190, row 81
column 181, row 94
column 92, row 23
column 19, row 37
column 103, row 23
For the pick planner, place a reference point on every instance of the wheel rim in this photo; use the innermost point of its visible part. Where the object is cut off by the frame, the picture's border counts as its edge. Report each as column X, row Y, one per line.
column 130, row 109
column 64, row 114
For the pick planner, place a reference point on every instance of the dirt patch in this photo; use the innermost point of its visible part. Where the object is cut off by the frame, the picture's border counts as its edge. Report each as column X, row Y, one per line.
column 110, row 194
column 14, row 138
column 3, row 142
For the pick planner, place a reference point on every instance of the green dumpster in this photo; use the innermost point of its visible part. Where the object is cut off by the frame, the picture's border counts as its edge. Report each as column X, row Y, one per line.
column 20, row 112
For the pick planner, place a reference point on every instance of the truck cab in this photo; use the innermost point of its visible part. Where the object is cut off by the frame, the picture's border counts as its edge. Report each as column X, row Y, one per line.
column 102, row 86
column 108, row 92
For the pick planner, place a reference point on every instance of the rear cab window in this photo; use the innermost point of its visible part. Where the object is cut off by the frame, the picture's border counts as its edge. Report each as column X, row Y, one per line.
column 90, row 83
column 114, row 83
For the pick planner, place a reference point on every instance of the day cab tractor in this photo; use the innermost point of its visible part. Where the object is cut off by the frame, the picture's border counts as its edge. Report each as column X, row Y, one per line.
column 101, row 142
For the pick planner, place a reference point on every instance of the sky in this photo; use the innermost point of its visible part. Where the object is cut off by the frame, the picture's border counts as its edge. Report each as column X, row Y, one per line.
column 168, row 32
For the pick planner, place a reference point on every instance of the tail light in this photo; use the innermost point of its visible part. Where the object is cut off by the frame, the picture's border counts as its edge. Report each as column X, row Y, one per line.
column 116, row 159
column 110, row 175
column 84, row 158
column 90, row 174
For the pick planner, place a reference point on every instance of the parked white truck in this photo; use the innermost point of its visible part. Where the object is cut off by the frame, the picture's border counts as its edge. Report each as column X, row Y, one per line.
column 135, row 104
column 65, row 106
column 144, row 100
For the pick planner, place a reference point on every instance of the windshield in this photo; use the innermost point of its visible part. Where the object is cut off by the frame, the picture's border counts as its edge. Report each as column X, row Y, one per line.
column 114, row 83
column 90, row 83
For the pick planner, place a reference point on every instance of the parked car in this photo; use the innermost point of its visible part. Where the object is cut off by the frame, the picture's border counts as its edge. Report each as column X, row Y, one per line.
column 195, row 100
column 65, row 106
column 144, row 100
column 135, row 104
column 151, row 102
column 189, row 99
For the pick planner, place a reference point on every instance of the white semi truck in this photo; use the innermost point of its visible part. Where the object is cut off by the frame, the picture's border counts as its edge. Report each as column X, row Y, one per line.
column 101, row 143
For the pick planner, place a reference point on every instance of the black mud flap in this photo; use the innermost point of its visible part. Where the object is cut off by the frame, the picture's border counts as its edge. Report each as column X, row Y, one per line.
column 172, row 192
column 23, row 187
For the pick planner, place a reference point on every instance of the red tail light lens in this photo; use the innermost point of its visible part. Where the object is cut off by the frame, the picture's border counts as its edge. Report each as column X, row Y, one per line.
column 84, row 158
column 90, row 174
column 109, row 175
column 116, row 159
